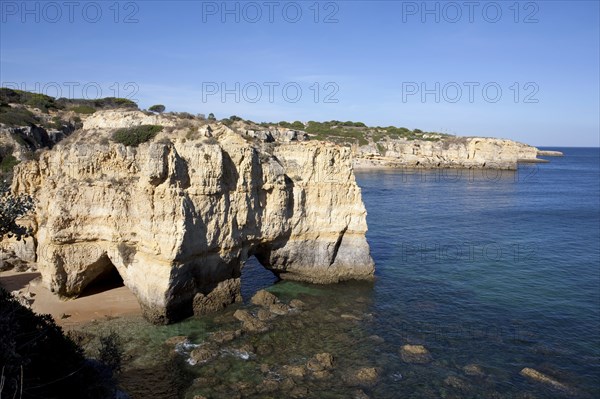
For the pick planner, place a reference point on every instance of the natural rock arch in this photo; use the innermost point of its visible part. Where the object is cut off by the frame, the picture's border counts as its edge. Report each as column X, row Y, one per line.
column 178, row 218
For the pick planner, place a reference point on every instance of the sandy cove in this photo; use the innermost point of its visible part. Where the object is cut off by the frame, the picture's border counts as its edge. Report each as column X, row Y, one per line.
column 99, row 303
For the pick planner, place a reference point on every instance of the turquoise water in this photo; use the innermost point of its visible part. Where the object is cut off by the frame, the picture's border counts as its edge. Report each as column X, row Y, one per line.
column 495, row 269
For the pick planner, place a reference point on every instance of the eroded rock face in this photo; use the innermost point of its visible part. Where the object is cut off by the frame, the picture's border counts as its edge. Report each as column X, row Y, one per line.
column 177, row 218
column 458, row 152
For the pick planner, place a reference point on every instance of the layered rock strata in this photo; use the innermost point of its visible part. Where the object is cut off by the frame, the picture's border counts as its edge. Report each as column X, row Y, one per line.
column 179, row 217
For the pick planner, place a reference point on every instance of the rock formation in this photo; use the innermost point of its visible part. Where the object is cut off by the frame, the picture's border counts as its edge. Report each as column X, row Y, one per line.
column 448, row 152
column 178, row 216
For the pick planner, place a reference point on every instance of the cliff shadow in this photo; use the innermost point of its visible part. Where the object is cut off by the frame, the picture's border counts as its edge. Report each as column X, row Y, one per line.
column 108, row 279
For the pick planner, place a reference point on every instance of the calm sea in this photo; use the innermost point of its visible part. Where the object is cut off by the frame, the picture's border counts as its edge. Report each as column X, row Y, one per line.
column 490, row 271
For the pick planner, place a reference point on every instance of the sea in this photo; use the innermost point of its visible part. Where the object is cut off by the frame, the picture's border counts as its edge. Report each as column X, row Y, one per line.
column 491, row 271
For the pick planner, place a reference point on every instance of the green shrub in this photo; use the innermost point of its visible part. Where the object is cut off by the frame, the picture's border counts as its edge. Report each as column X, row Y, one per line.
column 35, row 100
column 111, row 351
column 157, row 108
column 83, row 109
column 15, row 117
column 136, row 135
column 8, row 163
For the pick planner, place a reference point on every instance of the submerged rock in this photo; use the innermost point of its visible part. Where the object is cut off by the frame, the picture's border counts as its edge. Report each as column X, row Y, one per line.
column 366, row 376
column 540, row 377
column 297, row 304
column 415, row 354
column 249, row 322
column 263, row 298
column 456, row 383
column 279, row 309
column 320, row 362
column 264, row 315
column 297, row 371
column 473, row 370
column 360, row 394
column 203, row 354
column 176, row 340
column 221, row 337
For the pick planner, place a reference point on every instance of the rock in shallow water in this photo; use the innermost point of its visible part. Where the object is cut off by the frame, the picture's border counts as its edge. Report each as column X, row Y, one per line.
column 544, row 379
column 176, row 340
column 366, row 376
column 320, row 362
column 415, row 354
column 263, row 298
column 473, row 370
column 203, row 354
column 249, row 322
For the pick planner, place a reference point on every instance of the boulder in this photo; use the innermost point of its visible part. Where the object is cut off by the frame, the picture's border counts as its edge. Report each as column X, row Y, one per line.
column 263, row 298
column 415, row 354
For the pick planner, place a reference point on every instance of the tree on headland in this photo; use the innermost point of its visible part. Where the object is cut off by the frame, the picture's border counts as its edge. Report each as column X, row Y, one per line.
column 13, row 207
column 159, row 108
column 211, row 117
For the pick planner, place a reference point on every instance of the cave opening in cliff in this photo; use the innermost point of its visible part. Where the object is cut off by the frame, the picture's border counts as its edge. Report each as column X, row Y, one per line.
column 255, row 277
column 107, row 280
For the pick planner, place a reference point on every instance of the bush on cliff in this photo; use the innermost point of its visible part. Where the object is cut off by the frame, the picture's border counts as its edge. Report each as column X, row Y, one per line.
column 157, row 108
column 38, row 361
column 15, row 117
column 12, row 207
column 35, row 100
column 136, row 135
column 83, row 109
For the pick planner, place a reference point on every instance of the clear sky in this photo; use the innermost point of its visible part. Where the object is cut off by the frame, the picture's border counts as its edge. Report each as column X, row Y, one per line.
column 527, row 71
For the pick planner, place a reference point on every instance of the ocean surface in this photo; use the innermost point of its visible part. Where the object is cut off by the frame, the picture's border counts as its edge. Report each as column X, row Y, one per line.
column 491, row 271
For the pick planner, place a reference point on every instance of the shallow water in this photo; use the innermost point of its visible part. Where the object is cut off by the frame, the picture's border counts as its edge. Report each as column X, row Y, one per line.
column 496, row 270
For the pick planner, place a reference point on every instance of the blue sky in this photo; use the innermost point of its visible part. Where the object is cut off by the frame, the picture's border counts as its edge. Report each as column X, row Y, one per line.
column 528, row 72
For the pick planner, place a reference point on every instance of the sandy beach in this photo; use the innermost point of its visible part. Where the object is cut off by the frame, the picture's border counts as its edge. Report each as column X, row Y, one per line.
column 100, row 302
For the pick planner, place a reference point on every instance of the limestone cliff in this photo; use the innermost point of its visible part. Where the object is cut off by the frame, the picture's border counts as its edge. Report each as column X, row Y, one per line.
column 179, row 215
column 399, row 147
column 446, row 152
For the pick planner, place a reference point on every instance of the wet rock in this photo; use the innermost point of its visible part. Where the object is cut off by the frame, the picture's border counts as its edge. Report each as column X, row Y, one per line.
column 350, row 317
column 221, row 337
column 264, row 349
column 299, row 392
column 176, row 340
column 377, row 339
column 543, row 379
column 279, row 309
column 360, row 394
column 264, row 315
column 322, row 374
column 249, row 322
column 264, row 368
column 294, row 371
column 320, row 362
column 473, row 370
column 366, row 376
column 263, row 298
column 203, row 354
column 415, row 354
column 297, row 304
column 244, row 352
column 244, row 388
column 456, row 383
column 268, row 385
column 287, row 384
